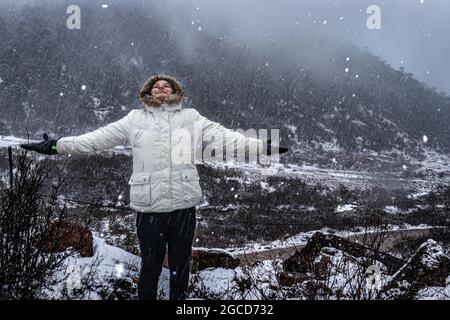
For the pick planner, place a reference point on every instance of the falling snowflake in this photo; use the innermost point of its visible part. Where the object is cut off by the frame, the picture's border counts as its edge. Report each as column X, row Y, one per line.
column 324, row 22
column 357, row 76
column 104, row 6
column 347, row 59
column 346, row 69
column 425, row 138
column 199, row 28
column 83, row 87
column 61, row 94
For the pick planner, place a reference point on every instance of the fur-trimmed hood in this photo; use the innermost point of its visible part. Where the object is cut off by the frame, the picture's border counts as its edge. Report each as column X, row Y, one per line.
column 146, row 97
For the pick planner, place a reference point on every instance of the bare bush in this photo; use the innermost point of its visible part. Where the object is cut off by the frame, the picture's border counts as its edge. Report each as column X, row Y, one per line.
column 27, row 208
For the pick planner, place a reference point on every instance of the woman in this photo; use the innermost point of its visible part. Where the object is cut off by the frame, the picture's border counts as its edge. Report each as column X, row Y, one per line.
column 163, row 189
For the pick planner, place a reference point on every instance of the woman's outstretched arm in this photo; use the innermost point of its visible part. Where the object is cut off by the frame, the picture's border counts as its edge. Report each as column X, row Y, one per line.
column 212, row 131
column 113, row 134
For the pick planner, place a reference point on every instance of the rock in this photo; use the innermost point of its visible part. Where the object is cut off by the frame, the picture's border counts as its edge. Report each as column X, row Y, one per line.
column 315, row 256
column 322, row 263
column 60, row 236
column 288, row 279
column 331, row 267
column 212, row 258
column 428, row 267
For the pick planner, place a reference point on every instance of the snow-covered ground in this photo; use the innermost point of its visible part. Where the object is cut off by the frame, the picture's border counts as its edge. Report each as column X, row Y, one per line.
column 435, row 293
column 434, row 161
column 111, row 263
column 108, row 262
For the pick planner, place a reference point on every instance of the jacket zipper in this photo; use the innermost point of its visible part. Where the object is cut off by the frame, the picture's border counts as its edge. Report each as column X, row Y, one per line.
column 170, row 161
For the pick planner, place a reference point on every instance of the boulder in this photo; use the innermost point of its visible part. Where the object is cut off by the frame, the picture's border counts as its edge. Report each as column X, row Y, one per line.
column 428, row 267
column 60, row 236
column 314, row 257
column 212, row 258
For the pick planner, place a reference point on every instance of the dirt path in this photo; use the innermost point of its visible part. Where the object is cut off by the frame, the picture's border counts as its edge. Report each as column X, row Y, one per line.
column 391, row 238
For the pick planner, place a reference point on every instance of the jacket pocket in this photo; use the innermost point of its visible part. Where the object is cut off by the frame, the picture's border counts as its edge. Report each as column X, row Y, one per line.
column 140, row 189
column 191, row 184
column 189, row 175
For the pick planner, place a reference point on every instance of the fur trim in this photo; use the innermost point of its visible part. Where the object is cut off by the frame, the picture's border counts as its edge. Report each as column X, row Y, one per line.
column 146, row 97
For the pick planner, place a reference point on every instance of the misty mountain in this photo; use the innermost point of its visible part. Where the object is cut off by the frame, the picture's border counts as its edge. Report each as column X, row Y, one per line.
column 326, row 97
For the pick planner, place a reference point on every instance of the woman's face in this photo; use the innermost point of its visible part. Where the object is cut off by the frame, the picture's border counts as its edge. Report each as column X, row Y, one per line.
column 161, row 90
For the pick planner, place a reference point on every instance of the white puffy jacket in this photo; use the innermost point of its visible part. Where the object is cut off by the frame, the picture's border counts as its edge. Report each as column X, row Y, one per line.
column 165, row 176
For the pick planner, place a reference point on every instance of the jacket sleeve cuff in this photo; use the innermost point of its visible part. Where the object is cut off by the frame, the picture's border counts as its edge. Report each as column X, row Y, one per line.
column 62, row 145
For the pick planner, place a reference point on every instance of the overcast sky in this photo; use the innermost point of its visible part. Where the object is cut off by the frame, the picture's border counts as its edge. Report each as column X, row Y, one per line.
column 414, row 34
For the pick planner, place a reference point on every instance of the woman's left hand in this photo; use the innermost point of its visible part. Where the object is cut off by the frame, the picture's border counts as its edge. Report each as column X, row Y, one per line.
column 268, row 148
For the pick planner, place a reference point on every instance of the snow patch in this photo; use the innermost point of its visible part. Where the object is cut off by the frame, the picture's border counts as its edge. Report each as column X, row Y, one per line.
column 346, row 207
column 391, row 209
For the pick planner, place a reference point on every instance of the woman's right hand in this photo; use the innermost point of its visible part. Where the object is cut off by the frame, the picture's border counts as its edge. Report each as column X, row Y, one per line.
column 48, row 146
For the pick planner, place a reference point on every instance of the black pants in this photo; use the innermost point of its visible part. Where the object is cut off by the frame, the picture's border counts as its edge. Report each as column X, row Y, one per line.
column 155, row 231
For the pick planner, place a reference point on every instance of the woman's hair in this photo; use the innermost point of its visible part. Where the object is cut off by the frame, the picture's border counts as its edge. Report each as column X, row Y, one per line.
column 145, row 94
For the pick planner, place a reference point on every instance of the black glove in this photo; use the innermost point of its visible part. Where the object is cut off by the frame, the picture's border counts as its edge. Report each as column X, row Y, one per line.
column 268, row 147
column 48, row 146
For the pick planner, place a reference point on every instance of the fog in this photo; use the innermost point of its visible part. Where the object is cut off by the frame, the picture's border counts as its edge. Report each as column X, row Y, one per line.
column 414, row 34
